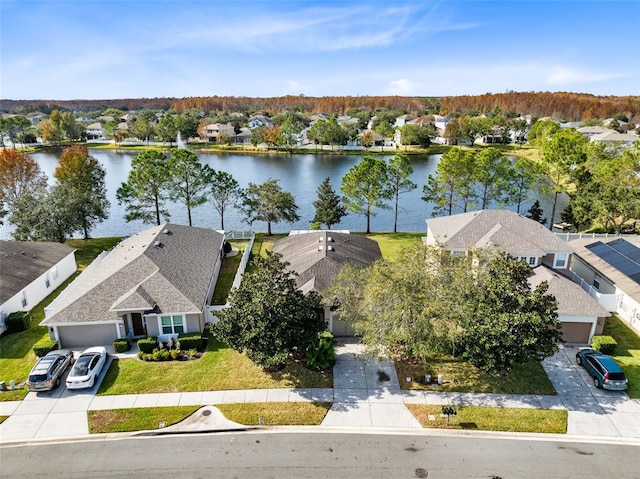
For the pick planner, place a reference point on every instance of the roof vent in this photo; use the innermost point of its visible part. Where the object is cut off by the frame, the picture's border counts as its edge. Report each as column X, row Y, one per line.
column 167, row 231
column 329, row 238
column 330, row 248
column 320, row 248
column 321, row 239
column 157, row 244
column 23, row 252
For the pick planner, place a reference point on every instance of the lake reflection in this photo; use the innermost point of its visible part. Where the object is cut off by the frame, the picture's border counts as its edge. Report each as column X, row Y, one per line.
column 298, row 174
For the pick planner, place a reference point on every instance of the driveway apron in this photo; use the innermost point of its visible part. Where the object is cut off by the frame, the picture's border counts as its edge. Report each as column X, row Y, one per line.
column 366, row 392
column 591, row 411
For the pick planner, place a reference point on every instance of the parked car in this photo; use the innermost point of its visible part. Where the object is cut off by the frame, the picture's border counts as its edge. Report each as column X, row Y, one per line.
column 86, row 370
column 48, row 371
column 603, row 369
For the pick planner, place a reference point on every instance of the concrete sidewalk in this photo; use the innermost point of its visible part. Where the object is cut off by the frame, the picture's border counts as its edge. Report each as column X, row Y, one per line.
column 366, row 394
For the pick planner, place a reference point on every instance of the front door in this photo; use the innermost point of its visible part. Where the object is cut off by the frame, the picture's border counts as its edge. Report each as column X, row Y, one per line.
column 138, row 326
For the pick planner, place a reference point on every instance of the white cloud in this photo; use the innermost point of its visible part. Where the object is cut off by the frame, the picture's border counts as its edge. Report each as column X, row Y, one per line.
column 561, row 75
column 402, row 87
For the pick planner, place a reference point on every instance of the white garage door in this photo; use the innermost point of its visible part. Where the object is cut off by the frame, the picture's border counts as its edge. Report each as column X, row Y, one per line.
column 85, row 335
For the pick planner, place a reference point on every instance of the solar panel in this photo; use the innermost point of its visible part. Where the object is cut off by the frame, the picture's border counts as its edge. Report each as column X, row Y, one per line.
column 620, row 254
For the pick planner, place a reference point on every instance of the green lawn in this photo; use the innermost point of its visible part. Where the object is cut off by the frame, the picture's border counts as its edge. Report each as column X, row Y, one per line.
column 136, row 419
column 627, row 353
column 392, row 243
column 220, row 368
column 493, row 419
column 460, row 376
column 276, row 414
column 228, row 272
column 16, row 355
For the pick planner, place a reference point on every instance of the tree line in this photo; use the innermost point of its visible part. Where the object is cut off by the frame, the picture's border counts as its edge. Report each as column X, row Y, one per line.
column 566, row 105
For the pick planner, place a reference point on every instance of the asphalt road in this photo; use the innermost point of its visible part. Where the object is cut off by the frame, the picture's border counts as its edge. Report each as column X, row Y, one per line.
column 293, row 455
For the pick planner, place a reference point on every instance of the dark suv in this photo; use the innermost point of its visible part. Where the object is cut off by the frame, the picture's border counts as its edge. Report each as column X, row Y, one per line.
column 47, row 373
column 603, row 369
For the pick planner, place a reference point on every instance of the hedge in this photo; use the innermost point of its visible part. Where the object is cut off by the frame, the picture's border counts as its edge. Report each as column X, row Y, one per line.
column 44, row 346
column 190, row 341
column 121, row 345
column 604, row 344
column 148, row 344
column 17, row 321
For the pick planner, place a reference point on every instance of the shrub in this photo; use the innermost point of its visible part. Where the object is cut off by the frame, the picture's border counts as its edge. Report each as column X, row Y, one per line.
column 44, row 346
column 604, row 344
column 190, row 341
column 323, row 354
column 121, row 345
column 17, row 321
column 148, row 344
column 175, row 354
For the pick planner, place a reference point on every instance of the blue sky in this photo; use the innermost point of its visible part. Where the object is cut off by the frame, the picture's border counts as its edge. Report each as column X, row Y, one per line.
column 128, row 49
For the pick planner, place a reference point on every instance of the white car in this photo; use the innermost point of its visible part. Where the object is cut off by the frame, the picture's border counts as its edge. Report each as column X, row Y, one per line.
column 87, row 367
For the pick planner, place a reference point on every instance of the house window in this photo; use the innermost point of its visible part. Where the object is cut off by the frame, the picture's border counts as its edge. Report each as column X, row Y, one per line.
column 23, row 298
column 458, row 254
column 596, row 281
column 172, row 324
column 560, row 261
column 533, row 261
column 47, row 283
column 54, row 272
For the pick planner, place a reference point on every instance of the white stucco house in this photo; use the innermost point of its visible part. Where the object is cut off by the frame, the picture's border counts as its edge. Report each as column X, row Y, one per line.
column 609, row 270
column 29, row 272
column 157, row 282
column 525, row 239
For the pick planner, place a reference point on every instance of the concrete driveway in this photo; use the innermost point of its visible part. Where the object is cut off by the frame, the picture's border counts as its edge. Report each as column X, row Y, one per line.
column 57, row 413
column 592, row 411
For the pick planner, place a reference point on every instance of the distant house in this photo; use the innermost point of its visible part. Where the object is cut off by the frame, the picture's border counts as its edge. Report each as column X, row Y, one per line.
column 527, row 240
column 29, row 272
column 614, row 138
column 242, row 138
column 590, row 131
column 157, row 282
column 259, row 120
column 95, row 131
column 317, row 257
column 609, row 269
column 402, row 120
column 213, row 130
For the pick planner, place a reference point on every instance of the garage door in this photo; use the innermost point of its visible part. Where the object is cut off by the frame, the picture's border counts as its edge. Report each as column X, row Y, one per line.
column 342, row 328
column 576, row 332
column 85, row 336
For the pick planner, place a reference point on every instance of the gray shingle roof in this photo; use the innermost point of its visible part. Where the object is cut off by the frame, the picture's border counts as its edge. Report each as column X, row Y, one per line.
column 22, row 262
column 503, row 229
column 169, row 267
column 318, row 256
column 572, row 299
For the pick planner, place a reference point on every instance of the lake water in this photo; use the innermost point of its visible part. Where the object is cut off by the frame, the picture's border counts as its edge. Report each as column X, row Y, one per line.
column 298, row 174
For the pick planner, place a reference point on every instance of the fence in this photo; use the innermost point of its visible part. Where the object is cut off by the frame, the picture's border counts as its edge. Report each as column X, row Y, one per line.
column 234, row 235
column 573, row 236
column 607, row 301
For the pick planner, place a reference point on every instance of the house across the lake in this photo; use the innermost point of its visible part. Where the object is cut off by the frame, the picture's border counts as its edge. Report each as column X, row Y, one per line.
column 157, row 282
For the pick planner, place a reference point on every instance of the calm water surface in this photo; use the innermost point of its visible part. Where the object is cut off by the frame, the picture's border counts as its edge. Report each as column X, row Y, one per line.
column 298, row 174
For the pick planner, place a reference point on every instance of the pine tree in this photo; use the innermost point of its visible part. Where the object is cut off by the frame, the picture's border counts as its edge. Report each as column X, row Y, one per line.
column 329, row 209
column 535, row 213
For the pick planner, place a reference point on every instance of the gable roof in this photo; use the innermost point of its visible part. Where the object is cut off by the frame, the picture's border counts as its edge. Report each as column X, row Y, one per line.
column 571, row 298
column 318, row 256
column 167, row 268
column 604, row 268
column 502, row 229
column 22, row 262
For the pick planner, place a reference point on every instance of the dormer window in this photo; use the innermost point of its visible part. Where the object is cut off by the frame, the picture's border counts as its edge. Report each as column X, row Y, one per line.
column 560, row 260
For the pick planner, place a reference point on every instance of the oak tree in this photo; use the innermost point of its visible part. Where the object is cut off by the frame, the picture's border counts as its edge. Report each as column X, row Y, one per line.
column 268, row 202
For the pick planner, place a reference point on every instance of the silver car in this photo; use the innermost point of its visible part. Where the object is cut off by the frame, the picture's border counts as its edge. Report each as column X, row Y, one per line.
column 47, row 373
